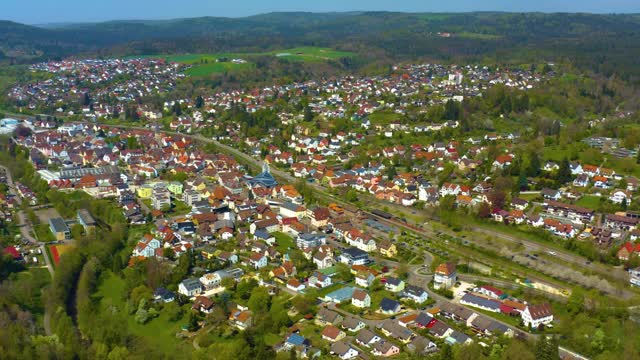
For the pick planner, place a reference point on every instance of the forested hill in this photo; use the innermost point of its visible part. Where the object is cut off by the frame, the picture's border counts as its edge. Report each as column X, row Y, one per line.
column 599, row 41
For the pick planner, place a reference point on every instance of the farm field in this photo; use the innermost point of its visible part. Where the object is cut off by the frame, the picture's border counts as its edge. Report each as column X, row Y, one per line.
column 206, row 64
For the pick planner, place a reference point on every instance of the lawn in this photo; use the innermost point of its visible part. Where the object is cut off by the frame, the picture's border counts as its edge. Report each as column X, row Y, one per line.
column 284, row 241
column 43, row 233
column 180, row 208
column 589, row 201
column 159, row 332
column 384, row 117
column 272, row 339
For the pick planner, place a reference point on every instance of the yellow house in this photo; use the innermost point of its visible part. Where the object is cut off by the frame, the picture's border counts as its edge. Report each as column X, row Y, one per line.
column 144, row 192
column 388, row 249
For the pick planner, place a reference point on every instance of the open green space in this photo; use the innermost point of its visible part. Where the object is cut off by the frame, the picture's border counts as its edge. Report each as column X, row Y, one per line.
column 589, row 201
column 207, row 64
column 159, row 332
column 477, row 36
column 284, row 242
column 43, row 233
column 384, row 117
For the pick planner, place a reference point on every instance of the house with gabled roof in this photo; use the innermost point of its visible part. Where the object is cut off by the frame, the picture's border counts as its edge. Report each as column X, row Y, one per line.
column 360, row 299
column 537, row 315
column 353, row 324
column 343, row 351
column 332, row 333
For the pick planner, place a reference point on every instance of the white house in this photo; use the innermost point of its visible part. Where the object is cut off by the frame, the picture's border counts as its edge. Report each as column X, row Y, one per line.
column 536, row 315
column 190, row 287
column 360, row 299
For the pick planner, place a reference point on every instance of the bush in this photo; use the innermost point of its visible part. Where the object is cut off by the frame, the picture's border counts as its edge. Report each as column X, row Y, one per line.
column 142, row 316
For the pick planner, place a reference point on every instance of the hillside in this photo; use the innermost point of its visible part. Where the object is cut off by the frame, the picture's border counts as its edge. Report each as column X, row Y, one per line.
column 498, row 36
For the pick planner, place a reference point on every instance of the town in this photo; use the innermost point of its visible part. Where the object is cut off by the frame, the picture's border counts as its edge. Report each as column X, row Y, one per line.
column 350, row 217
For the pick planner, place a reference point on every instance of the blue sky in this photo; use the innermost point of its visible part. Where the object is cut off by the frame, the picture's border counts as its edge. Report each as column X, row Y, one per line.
column 48, row 11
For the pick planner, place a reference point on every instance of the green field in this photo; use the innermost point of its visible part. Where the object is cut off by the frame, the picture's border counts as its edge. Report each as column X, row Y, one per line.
column 159, row 332
column 384, row 117
column 477, row 36
column 206, row 64
column 590, row 202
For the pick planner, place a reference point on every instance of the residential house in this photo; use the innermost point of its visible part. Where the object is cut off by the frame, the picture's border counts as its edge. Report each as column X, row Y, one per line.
column 621, row 196
column 343, row 351
column 295, row 285
column 323, row 260
column 353, row 324
column 354, row 256
column 163, row 295
column 389, row 307
column 360, row 299
column 147, row 247
column 388, row 249
column 310, row 240
column 415, row 294
column 190, row 287
column 364, row 279
column 385, row 349
column 258, row 260
column 241, row 319
column 332, row 333
column 319, row 280
column 394, row 285
column 328, row 317
column 367, row 338
column 203, row 304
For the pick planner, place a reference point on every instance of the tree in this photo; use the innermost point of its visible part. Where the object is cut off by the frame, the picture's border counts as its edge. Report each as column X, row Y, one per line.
column 308, row 115
column 445, row 352
column 118, row 353
column 564, row 172
column 497, row 198
column 193, row 322
column 168, row 253
column 199, row 102
column 517, row 350
column 228, row 283
column 546, row 348
column 177, row 109
column 76, row 231
column 173, row 311
column 534, row 165
column 575, row 303
column 484, row 211
column 259, row 302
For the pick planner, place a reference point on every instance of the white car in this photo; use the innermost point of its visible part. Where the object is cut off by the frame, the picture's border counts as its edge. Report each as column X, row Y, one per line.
column 553, row 253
